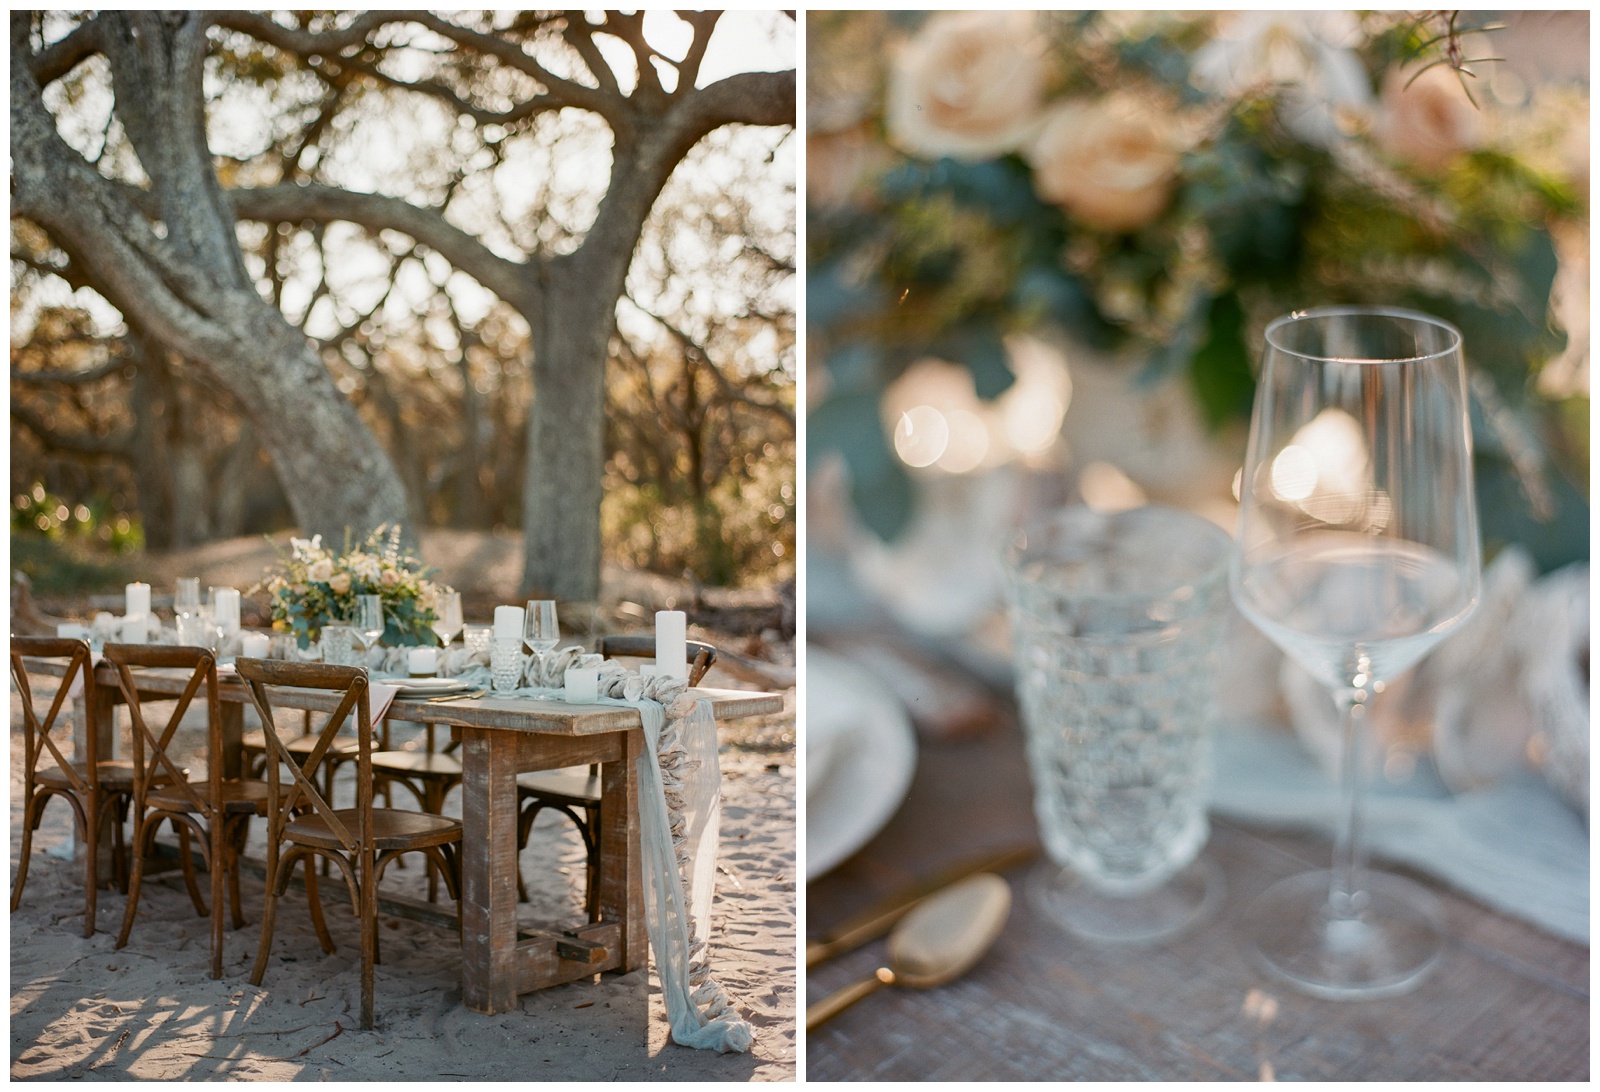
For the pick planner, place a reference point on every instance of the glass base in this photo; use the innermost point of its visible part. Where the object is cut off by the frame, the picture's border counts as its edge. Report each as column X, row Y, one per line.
column 1387, row 949
column 1156, row 915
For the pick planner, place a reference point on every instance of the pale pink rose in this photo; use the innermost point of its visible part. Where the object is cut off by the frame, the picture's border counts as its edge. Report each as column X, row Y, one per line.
column 969, row 85
column 389, row 578
column 1431, row 122
column 320, row 570
column 1111, row 163
column 340, row 583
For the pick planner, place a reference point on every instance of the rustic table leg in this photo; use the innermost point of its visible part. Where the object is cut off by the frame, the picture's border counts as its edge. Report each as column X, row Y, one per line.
column 101, row 719
column 232, row 739
column 621, row 878
column 488, row 871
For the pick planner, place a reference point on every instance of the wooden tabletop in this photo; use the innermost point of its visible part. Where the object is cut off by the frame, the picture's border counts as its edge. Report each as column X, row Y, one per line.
column 1507, row 1002
column 543, row 716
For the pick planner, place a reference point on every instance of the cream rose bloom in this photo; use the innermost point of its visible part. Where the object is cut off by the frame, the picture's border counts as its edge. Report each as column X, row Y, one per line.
column 1429, row 123
column 320, row 570
column 1111, row 163
column 340, row 583
column 969, row 85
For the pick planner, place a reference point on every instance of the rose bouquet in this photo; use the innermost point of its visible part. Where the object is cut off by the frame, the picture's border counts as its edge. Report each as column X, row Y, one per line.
column 1157, row 186
column 316, row 586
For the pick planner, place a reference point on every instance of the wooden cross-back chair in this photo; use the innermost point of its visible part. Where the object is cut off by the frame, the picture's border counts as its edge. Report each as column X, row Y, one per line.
column 216, row 811
column 575, row 790
column 96, row 789
column 360, row 841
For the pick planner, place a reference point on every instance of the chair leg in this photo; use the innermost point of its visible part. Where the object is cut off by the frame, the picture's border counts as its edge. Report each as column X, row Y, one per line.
column 216, row 829
column 268, row 914
column 369, row 933
column 238, row 834
column 314, row 902
column 28, row 823
column 142, row 835
column 91, row 842
column 186, row 858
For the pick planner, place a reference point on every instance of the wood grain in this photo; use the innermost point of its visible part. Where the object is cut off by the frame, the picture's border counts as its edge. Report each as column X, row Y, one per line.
column 1507, row 1002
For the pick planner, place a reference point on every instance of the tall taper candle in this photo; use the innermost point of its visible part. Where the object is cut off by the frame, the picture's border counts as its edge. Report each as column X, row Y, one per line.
column 672, row 655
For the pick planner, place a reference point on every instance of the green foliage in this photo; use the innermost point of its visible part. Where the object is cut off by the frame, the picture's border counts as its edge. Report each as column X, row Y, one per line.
column 58, row 566
column 943, row 257
column 39, row 513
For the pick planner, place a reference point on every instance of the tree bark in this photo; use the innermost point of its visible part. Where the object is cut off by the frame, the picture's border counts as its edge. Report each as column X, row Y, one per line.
column 169, row 259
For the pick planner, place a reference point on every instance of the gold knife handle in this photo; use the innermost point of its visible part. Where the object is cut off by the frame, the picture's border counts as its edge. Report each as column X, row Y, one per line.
column 877, row 921
column 837, row 1002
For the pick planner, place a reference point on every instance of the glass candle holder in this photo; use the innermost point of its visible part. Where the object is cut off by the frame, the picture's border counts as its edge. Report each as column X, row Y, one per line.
column 506, row 665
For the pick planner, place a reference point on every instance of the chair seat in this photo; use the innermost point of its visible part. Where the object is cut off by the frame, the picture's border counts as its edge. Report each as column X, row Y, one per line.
column 115, row 776
column 574, row 785
column 247, row 797
column 391, row 829
column 417, row 764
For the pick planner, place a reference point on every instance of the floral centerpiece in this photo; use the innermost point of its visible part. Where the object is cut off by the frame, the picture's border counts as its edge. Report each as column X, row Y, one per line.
column 316, row 586
column 1157, row 186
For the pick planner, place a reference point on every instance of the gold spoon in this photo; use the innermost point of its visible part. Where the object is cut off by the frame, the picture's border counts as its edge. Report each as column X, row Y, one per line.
column 937, row 942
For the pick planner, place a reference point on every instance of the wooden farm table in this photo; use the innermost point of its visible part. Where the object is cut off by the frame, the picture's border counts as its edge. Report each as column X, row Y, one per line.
column 500, row 738
column 1507, row 1000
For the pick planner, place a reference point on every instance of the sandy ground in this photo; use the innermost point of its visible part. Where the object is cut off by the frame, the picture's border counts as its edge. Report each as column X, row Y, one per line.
column 82, row 1010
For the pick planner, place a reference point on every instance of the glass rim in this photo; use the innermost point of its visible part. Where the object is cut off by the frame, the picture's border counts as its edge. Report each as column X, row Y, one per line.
column 1217, row 572
column 1364, row 311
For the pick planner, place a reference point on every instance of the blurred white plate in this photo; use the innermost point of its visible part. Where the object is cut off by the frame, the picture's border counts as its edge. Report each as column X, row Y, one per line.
column 431, row 688
column 860, row 755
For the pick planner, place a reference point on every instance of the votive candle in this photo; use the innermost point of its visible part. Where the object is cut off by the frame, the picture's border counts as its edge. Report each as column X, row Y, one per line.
column 256, row 646
column 582, row 684
column 422, row 662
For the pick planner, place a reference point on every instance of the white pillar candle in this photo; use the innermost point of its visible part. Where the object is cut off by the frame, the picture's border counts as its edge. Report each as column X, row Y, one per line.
column 508, row 623
column 135, row 629
column 582, row 684
column 255, row 645
column 422, row 662
column 138, row 599
column 671, row 650
column 75, row 630
column 226, row 607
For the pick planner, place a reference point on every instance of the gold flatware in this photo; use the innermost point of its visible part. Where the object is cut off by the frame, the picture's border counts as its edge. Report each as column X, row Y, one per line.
column 873, row 923
column 937, row 942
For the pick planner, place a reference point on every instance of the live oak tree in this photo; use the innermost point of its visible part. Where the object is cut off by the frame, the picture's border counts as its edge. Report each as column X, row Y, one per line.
column 163, row 248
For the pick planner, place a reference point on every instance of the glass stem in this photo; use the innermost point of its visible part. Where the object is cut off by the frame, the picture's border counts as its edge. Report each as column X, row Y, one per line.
column 1345, row 897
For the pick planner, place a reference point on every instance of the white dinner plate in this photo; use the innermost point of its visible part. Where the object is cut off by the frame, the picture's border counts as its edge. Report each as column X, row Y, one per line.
column 431, row 688
column 860, row 763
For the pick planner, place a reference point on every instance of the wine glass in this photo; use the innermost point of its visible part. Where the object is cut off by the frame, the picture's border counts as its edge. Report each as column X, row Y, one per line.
column 369, row 621
column 540, row 631
column 448, row 621
column 186, row 600
column 1357, row 553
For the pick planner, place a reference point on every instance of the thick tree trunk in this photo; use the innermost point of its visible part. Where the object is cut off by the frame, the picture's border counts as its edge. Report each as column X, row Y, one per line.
column 169, row 259
column 566, row 442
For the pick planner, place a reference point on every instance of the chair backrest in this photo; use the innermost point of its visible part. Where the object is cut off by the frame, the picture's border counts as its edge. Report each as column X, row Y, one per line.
column 701, row 655
column 37, row 738
column 150, row 751
column 350, row 683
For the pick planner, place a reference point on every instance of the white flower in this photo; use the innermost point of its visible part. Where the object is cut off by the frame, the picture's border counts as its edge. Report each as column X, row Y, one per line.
column 1429, row 123
column 306, row 549
column 1112, row 162
column 339, row 583
column 969, row 85
column 320, row 570
column 363, row 566
column 1305, row 57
